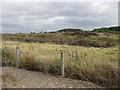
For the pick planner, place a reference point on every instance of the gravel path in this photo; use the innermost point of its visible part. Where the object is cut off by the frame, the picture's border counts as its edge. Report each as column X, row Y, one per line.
column 21, row 78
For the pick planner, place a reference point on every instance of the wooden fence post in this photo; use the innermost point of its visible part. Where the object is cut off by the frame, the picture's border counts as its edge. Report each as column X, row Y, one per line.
column 62, row 64
column 17, row 57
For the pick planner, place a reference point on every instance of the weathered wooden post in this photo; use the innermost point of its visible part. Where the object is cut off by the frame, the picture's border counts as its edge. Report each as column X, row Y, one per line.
column 62, row 64
column 17, row 57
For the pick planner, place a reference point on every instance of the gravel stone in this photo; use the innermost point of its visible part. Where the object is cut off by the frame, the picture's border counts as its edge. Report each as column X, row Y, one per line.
column 33, row 79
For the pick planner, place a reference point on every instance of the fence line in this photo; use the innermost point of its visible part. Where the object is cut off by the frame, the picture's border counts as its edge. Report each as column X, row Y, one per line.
column 17, row 57
column 62, row 61
column 62, row 64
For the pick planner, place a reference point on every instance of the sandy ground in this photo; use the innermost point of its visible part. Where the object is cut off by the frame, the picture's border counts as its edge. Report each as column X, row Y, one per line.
column 20, row 78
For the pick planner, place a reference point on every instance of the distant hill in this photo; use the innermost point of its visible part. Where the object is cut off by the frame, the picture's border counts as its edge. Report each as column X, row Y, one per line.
column 109, row 29
column 104, row 29
column 70, row 37
column 70, row 30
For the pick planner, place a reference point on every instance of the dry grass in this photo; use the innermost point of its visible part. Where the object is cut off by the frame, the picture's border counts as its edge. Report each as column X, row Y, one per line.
column 98, row 65
column 27, row 61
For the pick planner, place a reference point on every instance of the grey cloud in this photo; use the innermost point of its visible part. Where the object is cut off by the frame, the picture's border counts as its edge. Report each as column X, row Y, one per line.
column 27, row 17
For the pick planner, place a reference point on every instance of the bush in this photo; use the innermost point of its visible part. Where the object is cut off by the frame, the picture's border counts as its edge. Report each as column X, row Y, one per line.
column 8, row 57
column 28, row 61
column 104, row 75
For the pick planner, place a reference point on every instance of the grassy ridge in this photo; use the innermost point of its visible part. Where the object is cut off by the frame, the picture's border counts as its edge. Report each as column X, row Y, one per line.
column 67, row 37
column 98, row 65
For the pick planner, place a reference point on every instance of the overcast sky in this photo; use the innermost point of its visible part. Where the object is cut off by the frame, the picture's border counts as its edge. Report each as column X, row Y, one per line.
column 50, row 16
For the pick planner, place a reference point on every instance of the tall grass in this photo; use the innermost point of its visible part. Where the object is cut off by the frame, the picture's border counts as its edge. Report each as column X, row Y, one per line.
column 98, row 65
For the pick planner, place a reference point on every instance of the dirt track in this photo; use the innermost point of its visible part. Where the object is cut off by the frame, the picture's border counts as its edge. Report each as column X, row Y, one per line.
column 20, row 78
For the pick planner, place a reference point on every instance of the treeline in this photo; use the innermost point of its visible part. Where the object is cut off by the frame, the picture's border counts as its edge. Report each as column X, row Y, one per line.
column 109, row 29
column 70, row 30
column 104, row 29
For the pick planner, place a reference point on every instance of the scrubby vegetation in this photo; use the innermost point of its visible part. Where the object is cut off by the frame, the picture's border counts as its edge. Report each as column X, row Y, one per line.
column 115, row 29
column 70, row 37
column 98, row 65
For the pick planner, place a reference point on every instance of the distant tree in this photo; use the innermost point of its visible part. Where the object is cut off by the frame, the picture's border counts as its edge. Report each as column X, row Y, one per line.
column 69, row 30
column 45, row 32
column 32, row 32
column 105, row 29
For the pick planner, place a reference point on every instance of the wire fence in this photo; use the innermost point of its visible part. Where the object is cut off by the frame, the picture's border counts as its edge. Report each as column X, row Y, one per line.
column 88, row 64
